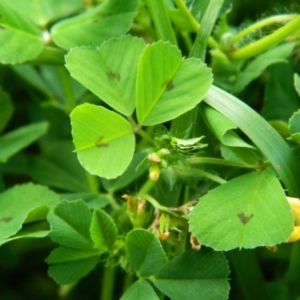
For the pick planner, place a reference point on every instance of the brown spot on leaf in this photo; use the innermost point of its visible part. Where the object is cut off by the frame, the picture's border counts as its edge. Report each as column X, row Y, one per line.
column 244, row 219
column 2, row 27
column 6, row 219
column 113, row 76
column 99, row 143
column 168, row 84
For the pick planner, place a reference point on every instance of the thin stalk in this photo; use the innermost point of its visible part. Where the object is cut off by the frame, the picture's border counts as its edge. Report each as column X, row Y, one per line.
column 267, row 42
column 108, row 282
column 161, row 20
column 67, row 87
column 92, row 182
column 260, row 24
column 200, row 173
column 207, row 24
column 137, row 128
column 145, row 136
column 187, row 14
column 112, row 201
column 292, row 275
column 146, row 188
column 224, row 162
column 193, row 22
column 158, row 206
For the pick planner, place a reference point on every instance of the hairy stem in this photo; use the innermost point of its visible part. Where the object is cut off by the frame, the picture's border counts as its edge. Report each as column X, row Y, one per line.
column 267, row 42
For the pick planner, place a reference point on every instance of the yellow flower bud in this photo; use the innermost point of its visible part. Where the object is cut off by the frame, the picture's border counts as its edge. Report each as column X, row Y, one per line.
column 295, row 236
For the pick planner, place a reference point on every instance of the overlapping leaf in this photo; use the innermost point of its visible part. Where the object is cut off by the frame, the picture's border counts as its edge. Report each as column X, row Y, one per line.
column 18, row 202
column 267, row 140
column 103, row 230
column 246, row 212
column 109, row 75
column 95, row 26
column 140, row 290
column 104, row 140
column 61, row 161
column 70, row 225
column 145, row 252
column 44, row 11
column 168, row 85
column 68, row 264
column 20, row 39
column 232, row 146
column 255, row 68
column 14, row 141
column 195, row 275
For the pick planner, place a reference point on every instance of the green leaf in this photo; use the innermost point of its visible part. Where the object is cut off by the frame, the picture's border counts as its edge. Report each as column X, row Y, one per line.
column 42, row 12
column 280, row 100
column 294, row 123
column 256, row 67
column 145, row 252
column 16, row 30
column 17, row 203
column 26, row 235
column 95, row 26
column 297, row 83
column 140, row 290
column 246, row 212
column 104, row 140
column 6, row 109
column 232, row 147
column 14, row 141
column 103, row 230
column 222, row 128
column 70, row 225
column 195, row 275
column 59, row 168
column 109, row 75
column 267, row 140
column 134, row 171
column 168, row 85
column 68, row 265
column 93, row 200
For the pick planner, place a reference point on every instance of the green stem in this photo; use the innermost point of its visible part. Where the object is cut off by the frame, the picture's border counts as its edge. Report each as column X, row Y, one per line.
column 92, row 182
column 224, row 162
column 145, row 189
column 112, row 201
column 158, row 206
column 200, row 173
column 292, row 276
column 67, row 87
column 260, row 24
column 187, row 14
column 108, row 282
column 145, row 136
column 137, row 128
column 161, row 20
column 207, row 24
column 268, row 41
